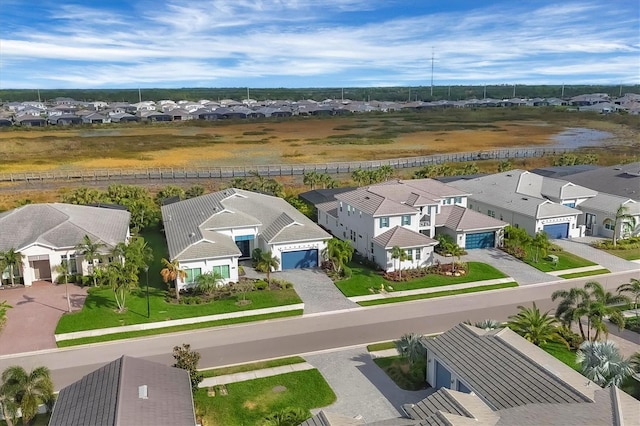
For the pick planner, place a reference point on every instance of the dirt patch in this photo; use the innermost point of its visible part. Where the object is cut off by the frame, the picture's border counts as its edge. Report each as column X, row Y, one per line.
column 249, row 405
column 279, row 389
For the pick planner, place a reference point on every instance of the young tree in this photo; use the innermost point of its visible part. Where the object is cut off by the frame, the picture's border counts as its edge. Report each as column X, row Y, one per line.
column 3, row 313
column 90, row 250
column 409, row 347
column 633, row 288
column 208, row 282
column 401, row 255
column 244, row 287
column 339, row 253
column 121, row 279
column 535, row 326
column 171, row 272
column 267, row 262
column 603, row 363
column 327, row 181
column 188, row 360
column 26, row 390
column 456, row 252
column 541, row 243
column 63, row 271
column 622, row 217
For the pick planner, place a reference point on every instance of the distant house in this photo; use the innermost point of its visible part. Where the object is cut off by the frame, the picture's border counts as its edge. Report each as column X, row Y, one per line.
column 212, row 232
column 5, row 122
column 46, row 234
column 123, row 117
column 95, row 118
column 31, row 121
column 154, row 116
column 127, row 391
column 65, row 120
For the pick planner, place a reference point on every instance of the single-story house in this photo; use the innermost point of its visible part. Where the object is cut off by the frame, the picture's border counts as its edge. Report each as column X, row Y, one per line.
column 622, row 180
column 600, row 216
column 529, row 201
column 46, row 234
column 403, row 213
column 212, row 232
column 127, row 391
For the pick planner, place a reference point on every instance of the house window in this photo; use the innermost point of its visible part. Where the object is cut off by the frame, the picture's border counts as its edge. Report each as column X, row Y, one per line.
column 192, row 275
column 72, row 265
column 406, row 219
column 371, row 247
column 491, row 213
column 418, row 254
column 340, row 205
column 569, row 204
column 458, row 200
column 384, row 222
column 471, row 206
column 608, row 224
column 222, row 270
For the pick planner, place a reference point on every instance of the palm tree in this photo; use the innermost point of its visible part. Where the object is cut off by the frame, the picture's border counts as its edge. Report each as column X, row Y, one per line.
column 622, row 216
column 327, row 181
column 208, row 282
column 455, row 251
column 91, row 252
column 535, row 326
column 361, row 177
column 171, row 272
column 338, row 252
column 399, row 253
column 603, row 363
column 267, row 262
column 633, row 288
column 3, row 312
column 63, row 270
column 311, row 178
column 571, row 307
column 12, row 259
column 409, row 347
column 383, row 173
column 28, row 390
column 601, row 306
column 121, row 281
column 504, row 166
column 541, row 243
column 635, row 362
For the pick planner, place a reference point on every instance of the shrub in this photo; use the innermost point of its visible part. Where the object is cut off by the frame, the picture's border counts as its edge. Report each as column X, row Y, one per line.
column 573, row 339
column 261, row 285
column 346, row 272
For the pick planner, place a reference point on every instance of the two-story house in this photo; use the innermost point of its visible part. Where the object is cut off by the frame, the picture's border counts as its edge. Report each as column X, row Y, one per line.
column 407, row 214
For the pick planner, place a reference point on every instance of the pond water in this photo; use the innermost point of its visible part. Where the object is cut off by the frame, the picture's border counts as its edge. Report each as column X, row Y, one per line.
column 578, row 137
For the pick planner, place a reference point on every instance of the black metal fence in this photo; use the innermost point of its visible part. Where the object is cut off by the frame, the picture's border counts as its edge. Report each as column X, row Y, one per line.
column 88, row 175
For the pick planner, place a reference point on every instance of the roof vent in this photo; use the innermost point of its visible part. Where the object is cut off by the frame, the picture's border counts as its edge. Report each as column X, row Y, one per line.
column 143, row 392
column 192, row 234
column 525, row 198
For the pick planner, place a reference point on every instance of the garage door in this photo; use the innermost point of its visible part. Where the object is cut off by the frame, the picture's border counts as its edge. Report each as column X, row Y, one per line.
column 300, row 259
column 480, row 240
column 559, row 230
column 443, row 377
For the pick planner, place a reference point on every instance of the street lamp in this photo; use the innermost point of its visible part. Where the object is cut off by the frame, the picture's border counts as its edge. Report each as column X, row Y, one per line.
column 146, row 270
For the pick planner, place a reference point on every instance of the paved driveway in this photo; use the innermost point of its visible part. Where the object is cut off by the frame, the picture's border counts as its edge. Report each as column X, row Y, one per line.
column 36, row 310
column 361, row 387
column 520, row 271
column 581, row 247
column 314, row 287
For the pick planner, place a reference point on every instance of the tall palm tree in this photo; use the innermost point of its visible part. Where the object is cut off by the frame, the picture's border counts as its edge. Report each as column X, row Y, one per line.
column 12, row 259
column 28, row 390
column 602, row 307
column 622, row 216
column 63, row 271
column 571, row 307
column 399, row 253
column 171, row 272
column 267, row 262
column 409, row 347
column 633, row 288
column 90, row 250
column 535, row 326
column 311, row 178
column 541, row 243
column 603, row 363
column 456, row 252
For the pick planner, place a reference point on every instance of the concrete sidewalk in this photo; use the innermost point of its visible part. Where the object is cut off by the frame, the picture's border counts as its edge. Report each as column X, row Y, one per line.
column 577, row 270
column 255, row 374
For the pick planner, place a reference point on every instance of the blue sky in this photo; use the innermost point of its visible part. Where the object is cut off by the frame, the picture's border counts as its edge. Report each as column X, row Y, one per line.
column 316, row 43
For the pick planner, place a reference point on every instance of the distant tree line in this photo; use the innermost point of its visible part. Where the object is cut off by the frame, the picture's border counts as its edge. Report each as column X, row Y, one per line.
column 396, row 94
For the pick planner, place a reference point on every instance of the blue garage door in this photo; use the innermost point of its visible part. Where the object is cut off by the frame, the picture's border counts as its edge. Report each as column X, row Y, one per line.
column 300, row 259
column 559, row 230
column 480, row 240
column 443, row 377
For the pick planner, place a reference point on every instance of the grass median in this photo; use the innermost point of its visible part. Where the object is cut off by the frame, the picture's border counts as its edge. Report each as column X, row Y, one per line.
column 363, row 279
column 566, row 260
column 437, row 294
column 585, row 273
column 174, row 329
column 260, row 365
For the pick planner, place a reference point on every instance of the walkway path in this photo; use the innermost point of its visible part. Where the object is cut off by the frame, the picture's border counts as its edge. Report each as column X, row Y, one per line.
column 255, row 374
column 581, row 247
column 577, row 270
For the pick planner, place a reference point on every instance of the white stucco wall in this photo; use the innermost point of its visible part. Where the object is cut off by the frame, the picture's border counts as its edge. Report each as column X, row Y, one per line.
column 384, row 260
column 206, row 265
column 55, row 258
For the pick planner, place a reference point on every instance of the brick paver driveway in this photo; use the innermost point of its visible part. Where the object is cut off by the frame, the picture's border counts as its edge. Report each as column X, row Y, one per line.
column 36, row 310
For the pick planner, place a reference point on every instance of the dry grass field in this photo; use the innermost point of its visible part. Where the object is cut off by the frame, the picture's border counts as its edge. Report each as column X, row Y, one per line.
column 297, row 140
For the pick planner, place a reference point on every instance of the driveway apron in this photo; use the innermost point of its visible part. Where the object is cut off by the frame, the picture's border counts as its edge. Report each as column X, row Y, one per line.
column 522, row 273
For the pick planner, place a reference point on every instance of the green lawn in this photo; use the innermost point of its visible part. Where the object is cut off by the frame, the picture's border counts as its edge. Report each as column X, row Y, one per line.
column 436, row 294
column 627, row 254
column 212, row 372
column 177, row 328
column 566, row 260
column 363, row 278
column 560, row 351
column 585, row 274
column 247, row 403
column 404, row 376
column 381, row 346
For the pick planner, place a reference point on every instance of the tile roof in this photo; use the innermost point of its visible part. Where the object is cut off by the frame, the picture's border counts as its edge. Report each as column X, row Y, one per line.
column 61, row 225
column 459, row 218
column 324, row 418
column 110, row 396
column 610, row 203
column 186, row 222
column 403, row 238
column 622, row 180
column 505, row 370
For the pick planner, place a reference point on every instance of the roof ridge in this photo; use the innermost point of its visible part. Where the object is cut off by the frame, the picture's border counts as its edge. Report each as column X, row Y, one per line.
column 119, row 389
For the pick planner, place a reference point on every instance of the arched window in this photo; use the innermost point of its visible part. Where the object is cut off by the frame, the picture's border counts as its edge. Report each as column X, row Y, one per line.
column 608, row 224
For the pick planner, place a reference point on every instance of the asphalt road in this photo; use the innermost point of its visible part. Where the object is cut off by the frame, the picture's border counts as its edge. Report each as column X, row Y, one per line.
column 310, row 333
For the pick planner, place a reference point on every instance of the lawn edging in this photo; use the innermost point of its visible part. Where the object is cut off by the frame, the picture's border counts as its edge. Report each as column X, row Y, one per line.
column 172, row 323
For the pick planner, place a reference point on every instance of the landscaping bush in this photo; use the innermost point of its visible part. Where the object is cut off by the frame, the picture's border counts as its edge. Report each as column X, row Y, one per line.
column 261, row 285
column 573, row 339
column 625, row 244
column 633, row 324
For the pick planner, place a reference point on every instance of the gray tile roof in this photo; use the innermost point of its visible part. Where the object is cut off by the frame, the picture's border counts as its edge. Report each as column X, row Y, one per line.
column 505, row 370
column 109, row 396
column 61, row 225
column 324, row 418
column 610, row 203
column 502, row 190
column 460, row 219
column 403, row 238
column 186, row 222
column 622, row 180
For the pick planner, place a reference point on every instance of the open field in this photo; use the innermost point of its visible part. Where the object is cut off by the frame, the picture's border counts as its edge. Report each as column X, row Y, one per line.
column 297, row 140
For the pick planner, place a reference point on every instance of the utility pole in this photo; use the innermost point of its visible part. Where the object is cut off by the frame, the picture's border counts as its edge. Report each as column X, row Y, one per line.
column 139, row 95
column 484, row 96
column 432, row 72
column 514, row 91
